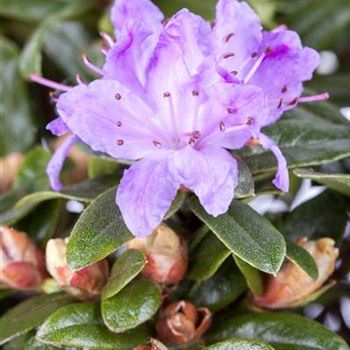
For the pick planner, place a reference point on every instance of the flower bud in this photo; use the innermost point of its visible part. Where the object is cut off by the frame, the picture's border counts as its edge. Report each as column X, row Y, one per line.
column 84, row 284
column 292, row 284
column 182, row 323
column 154, row 345
column 166, row 255
column 22, row 263
column 9, row 167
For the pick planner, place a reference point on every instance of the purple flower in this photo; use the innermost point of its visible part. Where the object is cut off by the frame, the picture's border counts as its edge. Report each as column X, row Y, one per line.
column 175, row 97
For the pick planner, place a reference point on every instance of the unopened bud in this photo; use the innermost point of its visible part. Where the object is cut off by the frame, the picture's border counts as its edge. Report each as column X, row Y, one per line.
column 154, row 345
column 183, row 323
column 22, row 262
column 9, row 167
column 292, row 284
column 166, row 255
column 84, row 284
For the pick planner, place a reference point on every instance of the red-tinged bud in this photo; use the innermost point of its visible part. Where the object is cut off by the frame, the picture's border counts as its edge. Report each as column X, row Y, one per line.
column 85, row 284
column 22, row 262
column 166, row 254
column 9, row 167
column 154, row 345
column 183, row 323
column 292, row 284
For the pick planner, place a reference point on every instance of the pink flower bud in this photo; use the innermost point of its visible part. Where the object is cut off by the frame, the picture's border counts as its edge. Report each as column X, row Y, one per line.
column 292, row 284
column 84, row 284
column 166, row 255
column 22, row 263
column 9, row 167
column 182, row 323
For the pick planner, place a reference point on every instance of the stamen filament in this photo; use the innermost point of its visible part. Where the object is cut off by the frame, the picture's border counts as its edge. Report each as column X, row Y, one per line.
column 107, row 38
column 320, row 97
column 254, row 68
column 49, row 83
column 91, row 66
column 168, row 96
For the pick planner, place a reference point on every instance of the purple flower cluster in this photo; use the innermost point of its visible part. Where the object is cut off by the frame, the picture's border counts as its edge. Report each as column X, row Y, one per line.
column 175, row 96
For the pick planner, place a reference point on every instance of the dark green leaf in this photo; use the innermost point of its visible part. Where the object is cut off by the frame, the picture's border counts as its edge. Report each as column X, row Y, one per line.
column 81, row 325
column 30, row 314
column 322, row 216
column 283, row 331
column 223, row 288
column 99, row 231
column 240, row 343
column 247, row 234
column 17, row 127
column 176, row 204
column 302, row 258
column 124, row 270
column 207, row 258
column 245, row 186
column 252, row 276
column 133, row 305
column 337, row 182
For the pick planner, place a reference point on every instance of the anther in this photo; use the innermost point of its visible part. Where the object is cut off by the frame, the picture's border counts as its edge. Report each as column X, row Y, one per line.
column 293, row 102
column 229, row 36
column 250, row 120
column 268, row 50
column 120, row 142
column 157, row 143
column 196, row 134
column 222, row 126
column 119, row 123
column 166, row 94
column 191, row 140
column 280, row 103
column 117, row 96
column 254, row 54
column 228, row 55
column 229, row 110
column 195, row 93
column 234, row 72
column 284, row 89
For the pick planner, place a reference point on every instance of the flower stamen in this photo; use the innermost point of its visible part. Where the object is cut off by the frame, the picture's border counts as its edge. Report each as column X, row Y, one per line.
column 49, row 83
column 91, row 66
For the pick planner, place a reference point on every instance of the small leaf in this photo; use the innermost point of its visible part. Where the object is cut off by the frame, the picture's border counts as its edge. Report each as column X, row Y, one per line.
column 81, row 325
column 30, row 314
column 336, row 182
column 99, row 231
column 245, row 187
column 282, row 330
column 240, row 343
column 207, row 258
column 301, row 257
column 220, row 290
column 252, row 276
column 246, row 234
column 124, row 270
column 133, row 305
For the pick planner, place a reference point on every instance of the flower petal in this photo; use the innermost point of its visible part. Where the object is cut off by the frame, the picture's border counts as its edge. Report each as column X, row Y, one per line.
column 145, row 194
column 281, row 179
column 56, row 163
column 58, row 127
column 110, row 119
column 211, row 173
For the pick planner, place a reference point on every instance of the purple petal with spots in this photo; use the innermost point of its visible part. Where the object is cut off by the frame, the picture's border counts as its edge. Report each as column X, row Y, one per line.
column 56, row 163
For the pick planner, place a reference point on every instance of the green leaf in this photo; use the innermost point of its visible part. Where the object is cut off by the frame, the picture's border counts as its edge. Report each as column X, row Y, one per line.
column 252, row 276
column 133, row 305
column 240, row 343
column 17, row 130
column 83, row 192
column 176, row 204
column 309, row 135
column 282, row 330
column 99, row 231
column 81, row 325
column 245, row 187
column 124, row 270
column 322, row 216
column 207, row 258
column 301, row 257
column 220, row 290
column 102, row 166
column 337, row 182
column 30, row 314
column 246, row 234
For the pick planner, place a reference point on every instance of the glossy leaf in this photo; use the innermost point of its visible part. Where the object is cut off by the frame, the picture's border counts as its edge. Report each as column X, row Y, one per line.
column 301, row 257
column 207, row 258
column 220, row 290
column 125, row 269
column 246, row 234
column 133, row 305
column 337, row 182
column 99, row 231
column 283, row 331
column 17, row 130
column 252, row 276
column 81, row 325
column 240, row 343
column 30, row 314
